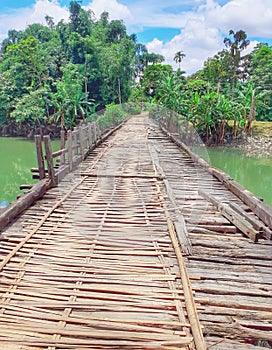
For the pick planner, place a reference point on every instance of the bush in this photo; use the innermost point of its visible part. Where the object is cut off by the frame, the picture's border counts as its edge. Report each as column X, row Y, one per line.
column 132, row 108
column 113, row 115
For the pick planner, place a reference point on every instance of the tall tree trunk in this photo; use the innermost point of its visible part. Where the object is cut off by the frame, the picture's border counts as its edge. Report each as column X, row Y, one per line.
column 252, row 112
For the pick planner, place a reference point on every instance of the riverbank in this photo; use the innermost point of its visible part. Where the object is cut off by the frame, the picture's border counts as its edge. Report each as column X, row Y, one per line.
column 27, row 131
column 256, row 146
column 258, row 143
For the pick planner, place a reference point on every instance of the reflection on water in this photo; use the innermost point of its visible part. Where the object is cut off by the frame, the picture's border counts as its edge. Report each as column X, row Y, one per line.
column 255, row 174
column 17, row 157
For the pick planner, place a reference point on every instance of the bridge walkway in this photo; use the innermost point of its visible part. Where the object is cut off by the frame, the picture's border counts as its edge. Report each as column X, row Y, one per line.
column 102, row 261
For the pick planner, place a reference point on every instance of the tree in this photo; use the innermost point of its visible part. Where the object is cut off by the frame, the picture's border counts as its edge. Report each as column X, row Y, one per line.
column 153, row 76
column 217, row 70
column 236, row 42
column 261, row 78
column 116, row 31
column 179, row 57
column 54, row 73
column 153, row 58
column 70, row 102
column 26, row 62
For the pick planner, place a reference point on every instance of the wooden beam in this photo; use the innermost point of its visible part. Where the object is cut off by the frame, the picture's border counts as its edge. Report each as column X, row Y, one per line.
column 24, row 202
column 263, row 211
column 240, row 221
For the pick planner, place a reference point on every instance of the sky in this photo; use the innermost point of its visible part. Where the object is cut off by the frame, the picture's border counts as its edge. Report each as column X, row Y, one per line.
column 195, row 27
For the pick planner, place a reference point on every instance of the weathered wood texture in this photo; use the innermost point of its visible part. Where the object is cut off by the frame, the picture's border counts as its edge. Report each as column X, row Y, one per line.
column 234, row 283
column 94, row 265
column 84, row 137
column 263, row 211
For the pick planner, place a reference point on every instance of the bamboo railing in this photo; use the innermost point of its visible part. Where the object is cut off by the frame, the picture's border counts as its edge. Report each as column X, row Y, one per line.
column 53, row 166
column 74, row 147
column 183, row 135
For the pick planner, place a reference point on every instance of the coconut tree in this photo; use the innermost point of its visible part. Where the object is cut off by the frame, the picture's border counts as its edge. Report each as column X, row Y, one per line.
column 179, row 57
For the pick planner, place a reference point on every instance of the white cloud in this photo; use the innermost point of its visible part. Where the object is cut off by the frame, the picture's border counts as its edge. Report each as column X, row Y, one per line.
column 202, row 34
column 114, row 8
column 20, row 18
column 196, row 40
column 255, row 17
column 203, row 23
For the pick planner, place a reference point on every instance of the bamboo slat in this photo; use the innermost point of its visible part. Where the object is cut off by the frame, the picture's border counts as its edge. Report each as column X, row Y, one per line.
column 97, row 262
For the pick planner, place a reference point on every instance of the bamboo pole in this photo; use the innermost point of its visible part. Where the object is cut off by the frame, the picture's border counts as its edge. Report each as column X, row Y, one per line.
column 70, row 149
column 62, row 146
column 49, row 160
column 263, row 211
column 40, row 159
column 81, row 142
column 22, row 203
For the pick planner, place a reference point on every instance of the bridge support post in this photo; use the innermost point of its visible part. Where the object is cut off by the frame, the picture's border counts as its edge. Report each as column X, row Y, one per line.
column 40, row 159
column 49, row 160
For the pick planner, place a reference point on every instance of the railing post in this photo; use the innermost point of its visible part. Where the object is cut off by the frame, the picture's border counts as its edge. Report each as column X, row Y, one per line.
column 90, row 135
column 49, row 160
column 62, row 146
column 40, row 159
column 81, row 142
column 94, row 132
column 70, row 149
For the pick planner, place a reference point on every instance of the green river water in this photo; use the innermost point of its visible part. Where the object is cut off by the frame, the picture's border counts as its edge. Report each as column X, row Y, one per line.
column 255, row 174
column 18, row 156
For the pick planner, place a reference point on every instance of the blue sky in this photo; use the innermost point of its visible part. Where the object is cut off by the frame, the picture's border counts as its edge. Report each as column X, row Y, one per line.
column 197, row 27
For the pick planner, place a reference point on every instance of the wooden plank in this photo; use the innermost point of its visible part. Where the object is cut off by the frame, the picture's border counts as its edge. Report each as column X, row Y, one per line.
column 27, row 199
column 234, row 217
column 255, row 222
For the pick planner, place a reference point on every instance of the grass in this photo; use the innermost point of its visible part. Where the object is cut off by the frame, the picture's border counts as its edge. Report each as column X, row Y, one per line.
column 262, row 128
column 259, row 128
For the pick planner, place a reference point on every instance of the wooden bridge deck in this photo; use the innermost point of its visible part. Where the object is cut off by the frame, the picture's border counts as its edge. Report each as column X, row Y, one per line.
column 98, row 264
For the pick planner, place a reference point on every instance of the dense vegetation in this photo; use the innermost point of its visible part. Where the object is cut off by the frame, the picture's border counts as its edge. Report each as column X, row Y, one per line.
column 60, row 74
column 221, row 99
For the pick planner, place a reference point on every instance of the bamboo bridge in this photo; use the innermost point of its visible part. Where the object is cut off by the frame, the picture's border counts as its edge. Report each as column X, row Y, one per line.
column 141, row 245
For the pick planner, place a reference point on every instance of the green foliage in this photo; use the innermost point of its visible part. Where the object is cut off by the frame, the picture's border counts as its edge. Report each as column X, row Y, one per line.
column 153, row 76
column 261, row 78
column 113, row 115
column 70, row 102
column 30, row 107
column 131, row 108
column 207, row 107
column 60, row 73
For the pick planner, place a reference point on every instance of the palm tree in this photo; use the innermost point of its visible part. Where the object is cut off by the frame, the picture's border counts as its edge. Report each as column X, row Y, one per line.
column 179, row 57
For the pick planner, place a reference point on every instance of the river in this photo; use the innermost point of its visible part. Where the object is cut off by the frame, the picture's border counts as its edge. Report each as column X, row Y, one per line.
column 18, row 156
column 255, row 174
